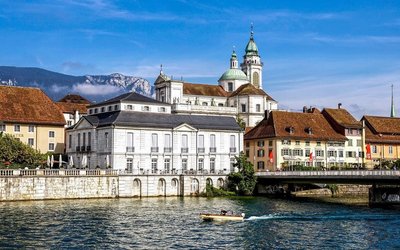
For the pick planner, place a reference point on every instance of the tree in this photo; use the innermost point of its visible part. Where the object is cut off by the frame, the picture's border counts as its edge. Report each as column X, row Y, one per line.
column 244, row 181
column 240, row 122
column 14, row 151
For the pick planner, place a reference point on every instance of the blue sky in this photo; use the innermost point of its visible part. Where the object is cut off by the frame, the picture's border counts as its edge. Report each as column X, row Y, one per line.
column 315, row 53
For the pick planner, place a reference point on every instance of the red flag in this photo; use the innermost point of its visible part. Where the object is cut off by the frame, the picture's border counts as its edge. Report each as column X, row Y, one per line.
column 311, row 156
column 368, row 148
column 271, row 156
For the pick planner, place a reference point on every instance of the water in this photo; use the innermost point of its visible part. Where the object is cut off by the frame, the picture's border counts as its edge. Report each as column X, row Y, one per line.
column 165, row 223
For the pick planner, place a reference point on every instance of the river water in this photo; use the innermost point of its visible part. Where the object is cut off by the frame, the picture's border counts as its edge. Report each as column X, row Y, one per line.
column 165, row 223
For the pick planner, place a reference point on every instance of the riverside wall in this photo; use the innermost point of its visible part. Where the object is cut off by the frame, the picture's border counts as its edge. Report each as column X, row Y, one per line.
column 16, row 185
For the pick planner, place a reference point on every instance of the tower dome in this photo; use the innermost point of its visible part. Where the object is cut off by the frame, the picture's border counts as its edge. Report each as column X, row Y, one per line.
column 233, row 74
column 251, row 48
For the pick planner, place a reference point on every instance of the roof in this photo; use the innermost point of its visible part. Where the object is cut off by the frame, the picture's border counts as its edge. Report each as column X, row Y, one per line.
column 233, row 74
column 203, row 89
column 28, row 105
column 380, row 129
column 280, row 123
column 250, row 89
column 342, row 117
column 160, row 120
column 73, row 98
column 129, row 97
column 251, row 48
column 70, row 108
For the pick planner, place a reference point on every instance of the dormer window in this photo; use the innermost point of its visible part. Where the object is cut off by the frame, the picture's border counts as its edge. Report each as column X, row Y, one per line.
column 103, row 109
column 95, row 111
column 146, row 108
column 115, row 107
column 309, row 130
column 90, row 111
column 162, row 109
column 129, row 107
column 290, row 129
column 109, row 108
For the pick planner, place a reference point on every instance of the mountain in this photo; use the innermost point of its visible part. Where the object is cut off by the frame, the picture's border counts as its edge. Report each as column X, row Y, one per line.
column 56, row 85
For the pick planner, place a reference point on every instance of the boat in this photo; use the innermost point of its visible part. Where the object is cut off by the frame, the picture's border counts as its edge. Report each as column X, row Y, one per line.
column 223, row 216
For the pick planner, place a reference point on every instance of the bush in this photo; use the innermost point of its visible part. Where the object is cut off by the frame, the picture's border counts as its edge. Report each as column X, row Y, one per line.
column 244, row 181
column 212, row 191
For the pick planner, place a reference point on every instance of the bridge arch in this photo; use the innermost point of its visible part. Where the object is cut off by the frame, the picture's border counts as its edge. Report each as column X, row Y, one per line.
column 175, row 186
column 161, row 187
column 194, row 186
column 137, row 188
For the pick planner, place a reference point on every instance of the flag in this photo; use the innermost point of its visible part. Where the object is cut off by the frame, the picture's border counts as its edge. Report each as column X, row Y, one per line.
column 311, row 155
column 271, row 156
column 368, row 148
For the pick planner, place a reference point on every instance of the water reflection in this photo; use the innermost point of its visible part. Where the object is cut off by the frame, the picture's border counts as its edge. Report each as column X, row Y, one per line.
column 174, row 223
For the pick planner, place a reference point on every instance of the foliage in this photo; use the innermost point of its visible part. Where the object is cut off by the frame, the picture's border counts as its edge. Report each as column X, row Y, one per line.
column 334, row 188
column 15, row 154
column 212, row 191
column 244, row 181
column 241, row 122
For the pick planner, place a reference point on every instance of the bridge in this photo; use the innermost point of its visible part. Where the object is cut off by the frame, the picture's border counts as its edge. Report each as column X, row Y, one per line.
column 384, row 190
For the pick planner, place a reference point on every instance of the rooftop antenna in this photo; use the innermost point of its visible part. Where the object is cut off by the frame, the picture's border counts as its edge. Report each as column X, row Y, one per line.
column 392, row 111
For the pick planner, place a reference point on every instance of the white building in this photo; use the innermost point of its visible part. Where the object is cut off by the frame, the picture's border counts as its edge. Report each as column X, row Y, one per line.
column 141, row 135
column 238, row 93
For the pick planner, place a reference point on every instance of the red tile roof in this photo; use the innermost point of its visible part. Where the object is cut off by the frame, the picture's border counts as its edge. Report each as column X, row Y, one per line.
column 70, row 108
column 203, row 89
column 250, row 89
column 280, row 123
column 342, row 117
column 380, row 129
column 73, row 98
column 28, row 105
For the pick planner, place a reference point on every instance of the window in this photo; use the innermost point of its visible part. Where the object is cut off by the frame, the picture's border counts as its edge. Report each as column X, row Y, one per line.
column 230, row 86
column 79, row 139
column 167, row 143
column 31, row 128
column 390, row 150
column 340, row 153
column 51, row 146
column 350, row 142
column 109, row 108
column 106, row 139
column 69, row 123
column 286, row 142
column 115, row 107
column 52, row 134
column 260, row 153
column 146, row 108
column 243, row 107
column 307, row 143
column 84, row 139
column 260, row 165
column 154, row 166
column 89, row 138
column 2, row 127
column 31, row 142
column 331, row 153
column 260, row 143
column 307, row 152
column 297, row 143
column 247, row 153
column 17, row 128
column 232, row 164
column 129, row 165
column 212, row 165
column 129, row 142
column 318, row 143
column 69, row 141
column 95, row 111
column 233, row 144
column 258, row 107
column 286, row 152
column 204, row 103
column 319, row 153
column 185, row 148
column 200, row 144
column 184, row 164
column 129, row 107
column 200, row 166
column 167, row 165
column 358, row 143
column 90, row 111
column 103, row 109
column 298, row 152
column 374, row 149
column 162, row 109
column 213, row 147
column 270, row 143
column 154, row 143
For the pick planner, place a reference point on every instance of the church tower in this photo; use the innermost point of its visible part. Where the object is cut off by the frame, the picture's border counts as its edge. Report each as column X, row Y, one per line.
column 252, row 65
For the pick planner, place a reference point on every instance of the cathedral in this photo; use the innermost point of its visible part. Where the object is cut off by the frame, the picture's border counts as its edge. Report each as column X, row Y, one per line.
column 239, row 92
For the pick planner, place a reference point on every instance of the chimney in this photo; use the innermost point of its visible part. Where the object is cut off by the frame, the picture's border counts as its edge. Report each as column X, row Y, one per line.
column 339, row 105
column 266, row 114
column 304, row 109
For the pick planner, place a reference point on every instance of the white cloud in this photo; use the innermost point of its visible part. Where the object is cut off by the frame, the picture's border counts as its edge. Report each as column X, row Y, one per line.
column 101, row 90
column 57, row 88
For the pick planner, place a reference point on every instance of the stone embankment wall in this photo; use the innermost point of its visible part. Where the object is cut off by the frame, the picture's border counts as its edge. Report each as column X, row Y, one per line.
column 342, row 190
column 75, row 184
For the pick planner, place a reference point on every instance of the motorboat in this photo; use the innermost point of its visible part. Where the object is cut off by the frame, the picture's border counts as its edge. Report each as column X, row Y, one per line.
column 223, row 216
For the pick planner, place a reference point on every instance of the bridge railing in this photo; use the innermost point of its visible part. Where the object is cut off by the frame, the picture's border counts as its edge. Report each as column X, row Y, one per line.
column 57, row 172
column 332, row 173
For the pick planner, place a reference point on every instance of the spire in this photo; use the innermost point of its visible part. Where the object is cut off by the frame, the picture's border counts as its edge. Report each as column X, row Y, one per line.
column 251, row 48
column 251, row 31
column 161, row 72
column 392, row 111
column 234, row 62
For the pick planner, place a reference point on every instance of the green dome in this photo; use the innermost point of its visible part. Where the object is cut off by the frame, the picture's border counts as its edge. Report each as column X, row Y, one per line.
column 233, row 74
column 251, row 48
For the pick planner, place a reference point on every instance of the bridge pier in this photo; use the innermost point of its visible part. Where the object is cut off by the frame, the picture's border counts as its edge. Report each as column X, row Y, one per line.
column 384, row 196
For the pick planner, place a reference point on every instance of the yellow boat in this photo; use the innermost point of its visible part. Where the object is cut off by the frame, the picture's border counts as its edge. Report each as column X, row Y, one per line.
column 223, row 216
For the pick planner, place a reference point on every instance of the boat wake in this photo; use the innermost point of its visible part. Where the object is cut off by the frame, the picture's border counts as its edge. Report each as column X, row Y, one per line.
column 322, row 217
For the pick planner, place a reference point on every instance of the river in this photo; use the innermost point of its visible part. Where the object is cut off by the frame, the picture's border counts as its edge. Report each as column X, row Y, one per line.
column 154, row 223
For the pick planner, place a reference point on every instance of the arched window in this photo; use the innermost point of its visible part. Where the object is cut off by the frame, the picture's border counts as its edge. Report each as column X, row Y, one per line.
column 256, row 79
column 230, row 86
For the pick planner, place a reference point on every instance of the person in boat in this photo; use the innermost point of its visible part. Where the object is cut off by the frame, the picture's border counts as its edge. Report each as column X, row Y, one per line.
column 223, row 212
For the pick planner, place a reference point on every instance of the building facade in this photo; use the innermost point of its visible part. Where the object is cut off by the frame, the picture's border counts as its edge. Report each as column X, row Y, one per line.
column 239, row 92
column 137, row 134
column 32, row 117
column 73, row 108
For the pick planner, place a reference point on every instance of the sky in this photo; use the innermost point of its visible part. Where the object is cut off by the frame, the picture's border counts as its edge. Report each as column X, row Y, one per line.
column 315, row 53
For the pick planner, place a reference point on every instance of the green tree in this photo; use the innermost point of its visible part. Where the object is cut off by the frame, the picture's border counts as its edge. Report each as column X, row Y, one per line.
column 244, row 181
column 15, row 152
column 241, row 122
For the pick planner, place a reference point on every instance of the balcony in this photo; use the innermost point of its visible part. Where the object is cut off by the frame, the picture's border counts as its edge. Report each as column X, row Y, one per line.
column 130, row 149
column 232, row 150
column 200, row 150
column 184, row 150
column 88, row 148
column 167, row 150
column 213, row 150
column 83, row 148
column 154, row 149
column 78, row 148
